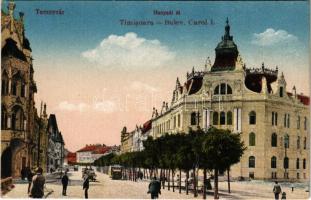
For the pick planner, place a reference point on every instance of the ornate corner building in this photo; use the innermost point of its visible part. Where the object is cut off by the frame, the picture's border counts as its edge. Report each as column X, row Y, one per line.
column 253, row 101
column 18, row 112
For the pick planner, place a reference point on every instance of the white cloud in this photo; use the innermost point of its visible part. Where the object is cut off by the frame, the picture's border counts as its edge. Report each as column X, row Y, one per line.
column 64, row 105
column 139, row 86
column 105, row 106
column 129, row 51
column 270, row 37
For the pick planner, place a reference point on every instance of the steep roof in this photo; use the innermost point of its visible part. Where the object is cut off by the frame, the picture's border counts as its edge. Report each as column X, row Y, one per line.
column 146, row 126
column 97, row 149
column 303, row 99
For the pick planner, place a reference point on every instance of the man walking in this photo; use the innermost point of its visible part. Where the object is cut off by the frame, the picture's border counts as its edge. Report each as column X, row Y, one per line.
column 277, row 190
column 29, row 178
column 37, row 185
column 154, row 188
column 86, row 184
column 65, row 181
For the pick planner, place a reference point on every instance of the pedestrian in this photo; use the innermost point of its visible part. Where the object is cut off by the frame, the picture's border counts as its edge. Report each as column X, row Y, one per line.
column 29, row 178
column 86, row 184
column 154, row 188
column 23, row 173
column 37, row 184
column 277, row 190
column 292, row 186
column 65, row 181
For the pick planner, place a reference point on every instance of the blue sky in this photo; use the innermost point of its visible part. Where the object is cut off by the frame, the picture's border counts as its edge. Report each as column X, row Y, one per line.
column 85, row 24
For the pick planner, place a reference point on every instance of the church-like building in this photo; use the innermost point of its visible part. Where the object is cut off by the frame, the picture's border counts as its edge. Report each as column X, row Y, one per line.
column 253, row 101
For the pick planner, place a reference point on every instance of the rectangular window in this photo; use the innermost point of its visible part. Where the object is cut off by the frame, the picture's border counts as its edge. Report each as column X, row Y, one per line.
column 174, row 121
column 305, row 123
column 281, row 91
column 272, row 118
column 178, row 120
column 276, row 119
column 288, row 120
column 298, row 122
column 285, row 116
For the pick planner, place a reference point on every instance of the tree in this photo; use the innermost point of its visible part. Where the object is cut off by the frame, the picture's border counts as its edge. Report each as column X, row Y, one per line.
column 222, row 149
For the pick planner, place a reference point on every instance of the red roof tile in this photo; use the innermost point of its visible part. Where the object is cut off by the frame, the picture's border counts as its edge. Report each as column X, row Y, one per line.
column 146, row 126
column 303, row 99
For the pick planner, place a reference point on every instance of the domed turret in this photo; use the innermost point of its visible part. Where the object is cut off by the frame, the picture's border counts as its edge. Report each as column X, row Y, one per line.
column 226, row 52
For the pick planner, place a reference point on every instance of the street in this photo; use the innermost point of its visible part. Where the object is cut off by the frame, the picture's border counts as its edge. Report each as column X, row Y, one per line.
column 104, row 187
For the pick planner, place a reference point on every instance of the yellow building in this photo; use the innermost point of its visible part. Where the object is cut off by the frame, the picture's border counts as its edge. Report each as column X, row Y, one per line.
column 254, row 101
column 126, row 141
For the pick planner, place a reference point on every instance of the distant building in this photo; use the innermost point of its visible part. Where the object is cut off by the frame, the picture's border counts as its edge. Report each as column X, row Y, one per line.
column 133, row 141
column 70, row 159
column 89, row 153
column 126, row 141
column 55, row 151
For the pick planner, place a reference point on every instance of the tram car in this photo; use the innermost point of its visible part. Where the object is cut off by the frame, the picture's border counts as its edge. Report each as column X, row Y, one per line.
column 115, row 172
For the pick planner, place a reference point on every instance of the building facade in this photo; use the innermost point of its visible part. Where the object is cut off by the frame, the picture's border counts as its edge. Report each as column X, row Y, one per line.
column 255, row 102
column 55, row 151
column 90, row 153
column 17, row 96
column 126, row 141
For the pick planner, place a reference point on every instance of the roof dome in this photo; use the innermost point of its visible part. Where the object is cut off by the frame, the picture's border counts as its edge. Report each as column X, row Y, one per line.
column 226, row 52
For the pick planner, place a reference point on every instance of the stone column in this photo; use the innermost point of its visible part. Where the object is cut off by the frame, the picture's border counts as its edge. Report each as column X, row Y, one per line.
column 10, row 86
column 239, row 120
column 9, row 122
column 235, row 119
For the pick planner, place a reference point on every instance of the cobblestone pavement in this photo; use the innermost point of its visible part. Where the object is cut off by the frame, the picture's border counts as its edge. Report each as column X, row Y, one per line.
column 107, row 188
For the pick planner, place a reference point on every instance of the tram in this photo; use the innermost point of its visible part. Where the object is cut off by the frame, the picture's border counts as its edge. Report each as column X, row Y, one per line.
column 115, row 172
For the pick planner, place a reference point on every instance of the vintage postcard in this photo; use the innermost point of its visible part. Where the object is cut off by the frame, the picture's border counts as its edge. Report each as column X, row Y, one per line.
column 155, row 99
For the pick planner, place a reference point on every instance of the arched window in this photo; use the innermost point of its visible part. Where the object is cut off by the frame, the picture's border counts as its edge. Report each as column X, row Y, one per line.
column 193, row 118
column 4, row 118
column 222, row 118
column 5, row 83
column 281, row 91
column 17, row 118
column 304, row 163
column 297, row 163
column 14, row 88
column 223, row 88
column 273, row 162
column 298, row 122
column 229, row 90
column 286, row 141
column 23, row 90
column 252, row 139
column 298, row 142
column 251, row 162
column 216, row 91
column 229, row 118
column 215, row 118
column 304, row 143
column 274, row 140
column 286, row 163
column 252, row 117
